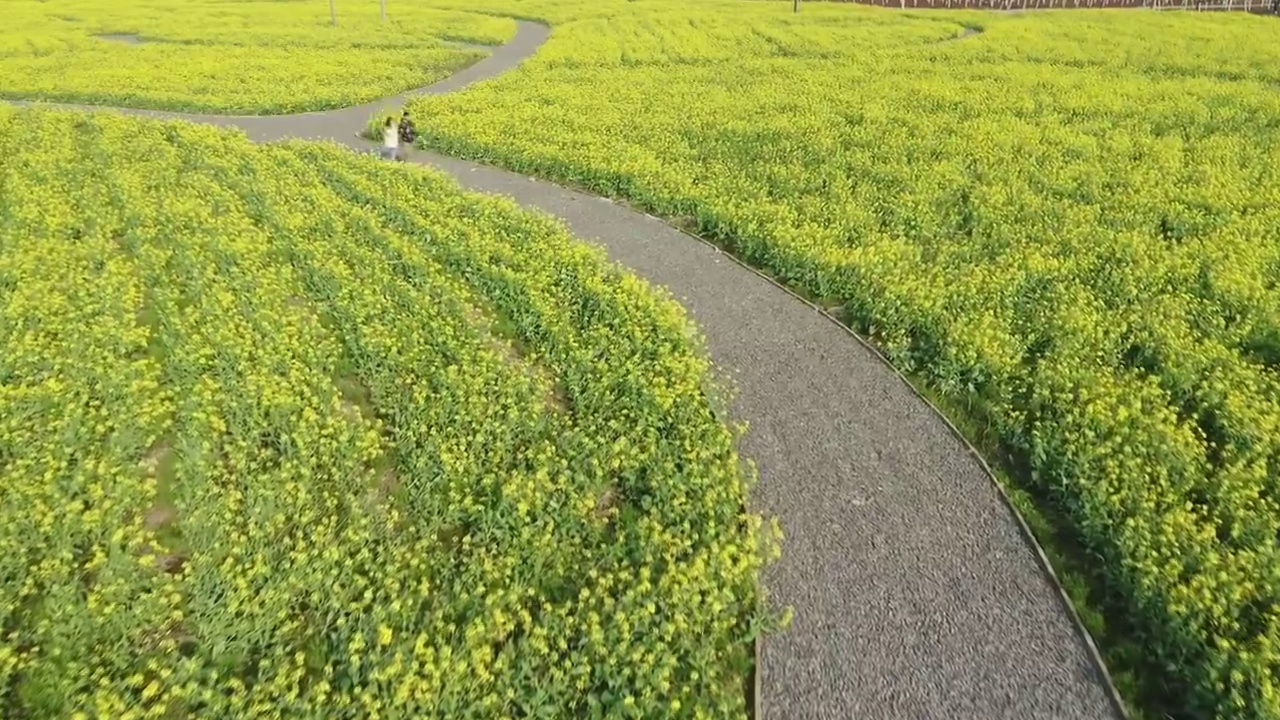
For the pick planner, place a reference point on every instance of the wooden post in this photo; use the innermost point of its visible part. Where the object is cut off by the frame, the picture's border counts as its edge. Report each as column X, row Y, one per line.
column 384, row 10
column 333, row 13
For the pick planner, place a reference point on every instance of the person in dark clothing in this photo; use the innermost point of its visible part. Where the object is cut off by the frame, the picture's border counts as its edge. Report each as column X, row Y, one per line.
column 408, row 133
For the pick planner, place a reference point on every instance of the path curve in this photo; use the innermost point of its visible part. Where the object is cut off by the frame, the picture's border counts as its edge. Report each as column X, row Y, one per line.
column 916, row 592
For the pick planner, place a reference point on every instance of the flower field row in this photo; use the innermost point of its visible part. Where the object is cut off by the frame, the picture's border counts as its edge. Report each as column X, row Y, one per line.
column 286, row 430
column 251, row 57
column 1070, row 220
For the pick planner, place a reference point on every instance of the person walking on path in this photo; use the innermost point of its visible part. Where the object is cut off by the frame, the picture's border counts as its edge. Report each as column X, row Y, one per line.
column 390, row 140
column 408, row 133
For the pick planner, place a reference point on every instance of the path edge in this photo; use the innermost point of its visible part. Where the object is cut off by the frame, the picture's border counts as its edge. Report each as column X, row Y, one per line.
column 754, row 707
column 1046, row 566
column 1028, row 536
column 204, row 116
column 754, row 711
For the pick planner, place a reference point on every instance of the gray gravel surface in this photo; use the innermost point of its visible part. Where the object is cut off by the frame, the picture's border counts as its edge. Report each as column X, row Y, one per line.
column 915, row 594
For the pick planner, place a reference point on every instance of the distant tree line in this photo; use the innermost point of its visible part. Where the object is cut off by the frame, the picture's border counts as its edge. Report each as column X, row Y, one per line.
column 1256, row 6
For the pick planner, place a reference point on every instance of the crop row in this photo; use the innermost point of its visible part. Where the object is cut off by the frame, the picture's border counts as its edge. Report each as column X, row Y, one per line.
column 242, row 57
column 288, row 430
column 1069, row 220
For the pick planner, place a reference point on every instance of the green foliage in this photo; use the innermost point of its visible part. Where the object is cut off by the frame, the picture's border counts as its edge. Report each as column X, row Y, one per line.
column 373, row 128
column 254, row 56
column 288, row 430
column 1071, row 219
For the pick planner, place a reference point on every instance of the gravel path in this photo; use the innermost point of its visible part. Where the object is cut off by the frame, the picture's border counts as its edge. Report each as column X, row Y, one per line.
column 916, row 594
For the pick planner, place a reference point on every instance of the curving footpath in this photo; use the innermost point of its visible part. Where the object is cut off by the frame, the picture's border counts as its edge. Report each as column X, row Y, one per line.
column 916, row 592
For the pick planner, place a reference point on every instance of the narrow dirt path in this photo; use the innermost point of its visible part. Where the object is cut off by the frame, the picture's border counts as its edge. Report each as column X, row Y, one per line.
column 916, row 594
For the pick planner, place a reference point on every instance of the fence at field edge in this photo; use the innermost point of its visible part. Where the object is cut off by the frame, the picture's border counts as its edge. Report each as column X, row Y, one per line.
column 1254, row 6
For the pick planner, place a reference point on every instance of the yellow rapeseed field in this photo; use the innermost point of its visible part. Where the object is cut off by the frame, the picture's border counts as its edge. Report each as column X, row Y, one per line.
column 286, row 431
column 1068, row 221
column 232, row 56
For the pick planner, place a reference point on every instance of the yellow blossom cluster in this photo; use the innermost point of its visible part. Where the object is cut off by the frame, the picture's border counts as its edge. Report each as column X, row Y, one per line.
column 246, row 56
column 287, row 431
column 1068, row 219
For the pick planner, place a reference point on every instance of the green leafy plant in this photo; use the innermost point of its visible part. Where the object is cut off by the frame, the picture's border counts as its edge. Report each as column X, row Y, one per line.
column 285, row 429
column 373, row 128
column 251, row 57
column 1068, row 220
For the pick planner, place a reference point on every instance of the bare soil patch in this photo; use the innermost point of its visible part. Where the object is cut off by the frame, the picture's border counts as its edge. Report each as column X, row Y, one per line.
column 159, row 516
column 125, row 38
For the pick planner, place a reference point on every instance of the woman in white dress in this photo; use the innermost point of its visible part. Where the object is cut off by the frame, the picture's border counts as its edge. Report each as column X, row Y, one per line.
column 390, row 140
